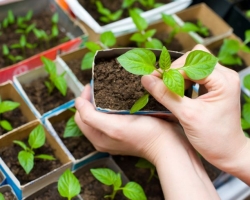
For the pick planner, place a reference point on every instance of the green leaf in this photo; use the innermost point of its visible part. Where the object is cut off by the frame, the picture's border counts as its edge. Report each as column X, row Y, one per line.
column 140, row 103
column 116, row 15
column 246, row 98
column 133, row 190
column 245, row 48
column 169, row 20
column 143, row 163
column 246, row 112
column 127, row 3
column 105, row 175
column 37, row 137
column 248, row 13
column 5, row 50
column 247, row 36
column 5, row 23
column 229, row 46
column 150, row 33
column 50, row 86
column 45, row 157
column 71, row 129
column 23, row 41
column 29, row 15
column 61, row 84
column 188, row 26
column 6, row 106
column 228, row 59
column 140, row 23
column 108, row 38
column 105, row 19
column 245, row 124
column 55, row 18
column 174, row 81
column 1, row 196
column 54, row 31
column 30, row 28
column 154, row 43
column 101, row 9
column 138, row 37
column 5, row 125
column 49, row 65
column 246, row 82
column 21, row 144
column 11, row 17
column 26, row 160
column 199, row 64
column 92, row 46
column 87, row 61
column 165, row 59
column 138, row 61
column 68, row 185
column 15, row 46
column 118, row 183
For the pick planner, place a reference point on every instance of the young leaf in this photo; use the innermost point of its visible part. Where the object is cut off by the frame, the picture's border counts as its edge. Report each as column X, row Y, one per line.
column 247, row 36
column 138, row 61
column 118, row 182
column 68, row 185
column 29, row 15
column 21, row 144
column 165, row 59
column 140, row 23
column 50, row 86
column 72, row 130
column 54, row 31
column 229, row 46
column 139, row 104
column 61, row 85
column 149, row 33
column 199, row 64
column 229, row 59
column 246, row 112
column 133, row 190
column 108, row 38
column 174, row 81
column 246, row 81
column 102, row 10
column 127, row 3
column 187, row 27
column 6, row 106
column 49, row 65
column 169, row 20
column 37, row 137
column 245, row 124
column 5, row 125
column 55, row 18
column 45, row 157
column 138, row 37
column 11, row 17
column 5, row 50
column 23, row 41
column 154, row 44
column 104, row 175
column 87, row 61
column 1, row 196
column 26, row 160
column 92, row 46
column 116, row 15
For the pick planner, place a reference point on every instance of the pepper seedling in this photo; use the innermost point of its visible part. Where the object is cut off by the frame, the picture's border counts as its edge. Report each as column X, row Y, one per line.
column 68, row 185
column 107, row 40
column 6, row 106
column 9, row 20
column 23, row 44
column 2, row 196
column 55, row 80
column 106, row 176
column 54, row 29
column 143, row 38
column 228, row 53
column 71, row 129
column 150, row 4
column 6, row 53
column 21, row 21
column 26, row 30
column 144, row 164
column 198, row 65
column 107, row 15
column 27, row 155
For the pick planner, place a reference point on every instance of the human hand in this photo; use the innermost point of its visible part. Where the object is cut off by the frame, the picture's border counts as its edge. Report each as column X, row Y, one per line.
column 211, row 121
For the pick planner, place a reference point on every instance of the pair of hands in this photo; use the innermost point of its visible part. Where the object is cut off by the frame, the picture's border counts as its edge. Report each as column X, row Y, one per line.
column 211, row 123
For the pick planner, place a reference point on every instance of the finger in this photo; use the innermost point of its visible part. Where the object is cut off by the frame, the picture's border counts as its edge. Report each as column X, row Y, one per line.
column 86, row 94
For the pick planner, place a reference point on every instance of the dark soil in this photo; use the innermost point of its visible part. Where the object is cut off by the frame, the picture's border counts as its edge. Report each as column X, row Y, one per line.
column 84, row 76
column 41, row 99
column 15, row 117
column 152, row 189
column 8, row 195
column 210, row 33
column 114, row 6
column 9, row 37
column 78, row 146
column 41, row 167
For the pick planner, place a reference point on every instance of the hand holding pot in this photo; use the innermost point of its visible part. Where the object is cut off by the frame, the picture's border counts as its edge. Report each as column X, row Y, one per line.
column 211, row 121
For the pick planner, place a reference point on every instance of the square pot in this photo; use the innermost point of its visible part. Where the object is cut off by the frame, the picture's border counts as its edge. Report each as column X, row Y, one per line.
column 218, row 27
column 124, row 25
column 40, row 72
column 25, row 189
column 8, row 191
column 23, row 113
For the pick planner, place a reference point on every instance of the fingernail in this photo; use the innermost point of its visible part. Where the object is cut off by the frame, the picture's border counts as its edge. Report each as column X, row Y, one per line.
column 79, row 102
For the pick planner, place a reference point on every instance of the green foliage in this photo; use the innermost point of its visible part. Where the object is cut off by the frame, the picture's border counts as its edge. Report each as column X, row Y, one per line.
column 198, row 65
column 27, row 155
column 131, row 190
column 2, row 196
column 6, row 106
column 248, row 13
column 68, row 185
column 143, row 163
column 26, row 30
column 57, row 81
column 71, row 129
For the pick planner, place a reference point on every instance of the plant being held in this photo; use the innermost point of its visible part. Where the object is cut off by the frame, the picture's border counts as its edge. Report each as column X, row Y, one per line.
column 131, row 190
column 199, row 64
column 27, row 155
column 68, row 185
column 55, row 80
column 107, row 40
column 6, row 106
column 144, row 164
column 143, row 38
column 71, row 129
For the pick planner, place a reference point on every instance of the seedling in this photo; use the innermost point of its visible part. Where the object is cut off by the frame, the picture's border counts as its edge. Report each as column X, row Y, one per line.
column 143, row 163
column 6, row 53
column 150, row 4
column 107, row 39
column 21, row 21
column 6, row 106
column 2, row 196
column 131, row 190
column 54, row 29
column 199, row 64
column 55, row 80
column 143, row 37
column 9, row 20
column 71, row 129
column 68, row 185
column 27, row 30
column 228, row 54
column 27, row 155
column 186, row 27
column 23, row 44
column 107, row 15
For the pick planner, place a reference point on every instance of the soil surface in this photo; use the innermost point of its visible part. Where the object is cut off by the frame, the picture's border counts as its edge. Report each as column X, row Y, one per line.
column 9, row 37
column 8, row 195
column 41, row 167
column 91, row 8
column 15, row 117
column 41, row 99
column 78, row 146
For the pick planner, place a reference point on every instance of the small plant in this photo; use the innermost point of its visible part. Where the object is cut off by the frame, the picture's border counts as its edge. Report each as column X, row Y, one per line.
column 23, row 44
column 143, row 163
column 2, row 196
column 27, row 155
column 143, row 37
column 68, row 185
column 107, row 39
column 55, row 80
column 131, row 190
column 138, row 61
column 21, row 21
column 6, row 53
column 71, row 129
column 228, row 54
column 6, row 106
column 26, row 30
column 9, row 20
column 54, row 29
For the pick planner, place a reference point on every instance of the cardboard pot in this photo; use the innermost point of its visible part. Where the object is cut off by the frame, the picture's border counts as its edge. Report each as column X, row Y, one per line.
column 8, row 192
